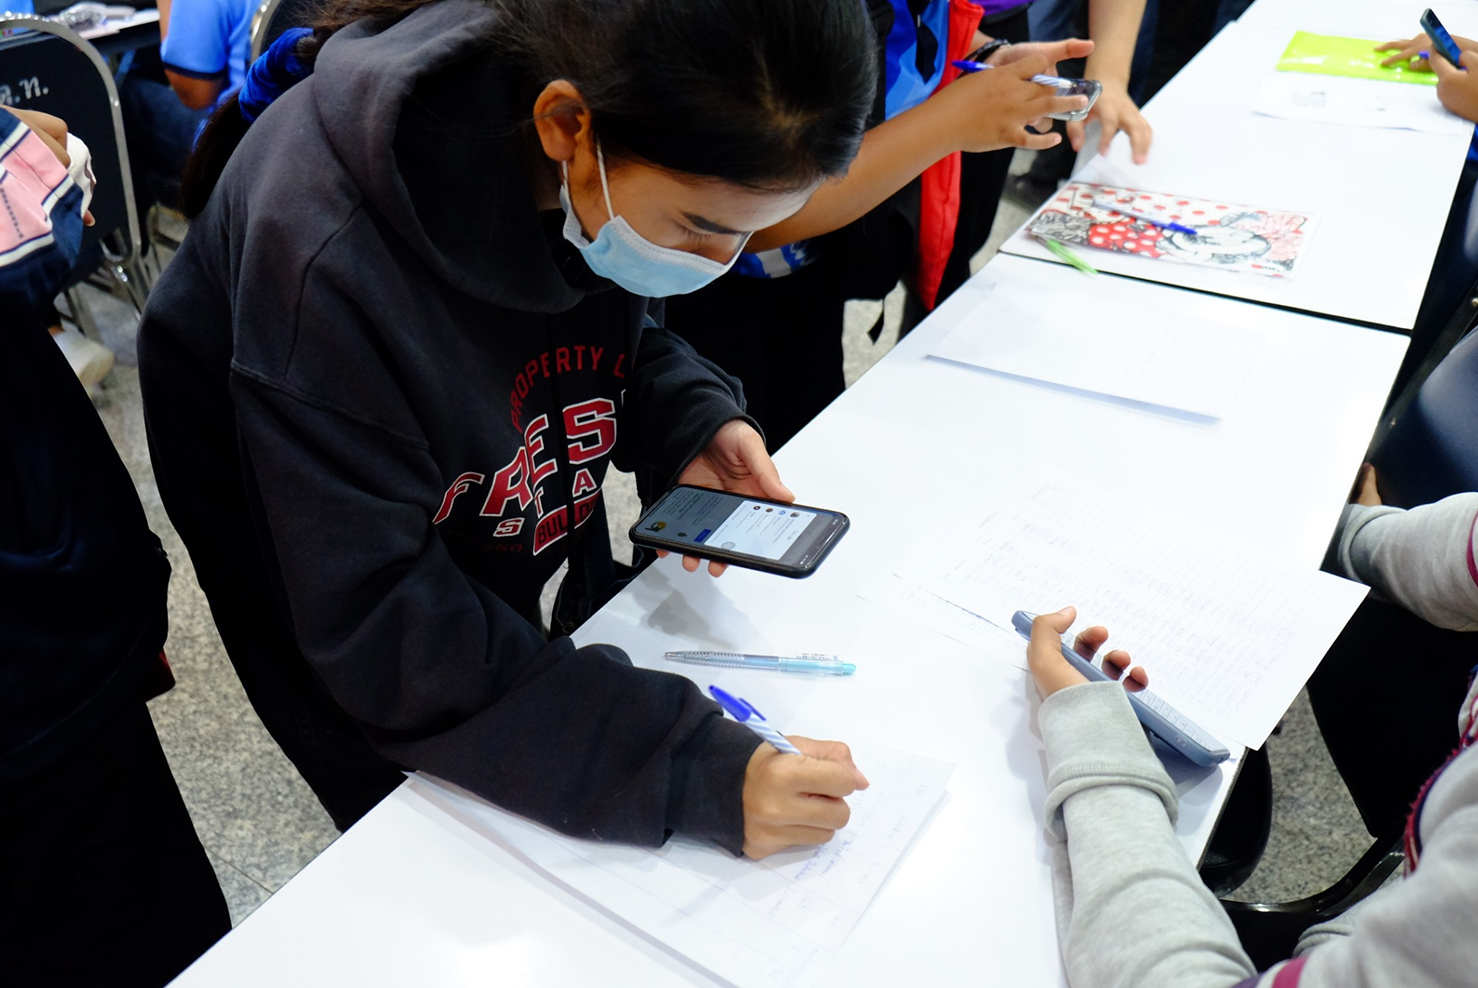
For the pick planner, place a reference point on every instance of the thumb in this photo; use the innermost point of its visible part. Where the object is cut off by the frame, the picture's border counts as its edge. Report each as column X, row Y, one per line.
column 1048, row 629
column 832, row 751
column 1446, row 71
column 763, row 468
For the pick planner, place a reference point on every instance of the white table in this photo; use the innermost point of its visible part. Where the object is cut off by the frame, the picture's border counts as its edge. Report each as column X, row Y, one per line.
column 411, row 896
column 1381, row 196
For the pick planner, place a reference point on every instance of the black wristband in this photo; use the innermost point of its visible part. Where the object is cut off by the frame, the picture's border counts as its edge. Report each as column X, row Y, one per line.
column 986, row 50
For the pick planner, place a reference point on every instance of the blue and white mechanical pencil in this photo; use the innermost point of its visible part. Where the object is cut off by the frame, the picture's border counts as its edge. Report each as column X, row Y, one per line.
column 743, row 711
column 805, row 662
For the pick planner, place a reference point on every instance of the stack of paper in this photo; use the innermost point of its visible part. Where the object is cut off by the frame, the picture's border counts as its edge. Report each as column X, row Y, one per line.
column 775, row 923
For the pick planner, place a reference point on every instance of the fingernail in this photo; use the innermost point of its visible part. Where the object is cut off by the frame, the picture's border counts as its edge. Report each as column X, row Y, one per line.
column 1066, row 610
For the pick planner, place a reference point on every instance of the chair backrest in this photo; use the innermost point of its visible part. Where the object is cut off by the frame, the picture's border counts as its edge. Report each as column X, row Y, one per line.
column 1431, row 449
column 51, row 68
column 275, row 16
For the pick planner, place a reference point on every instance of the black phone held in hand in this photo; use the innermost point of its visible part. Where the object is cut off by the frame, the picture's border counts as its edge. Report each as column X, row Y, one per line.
column 752, row 532
column 1441, row 40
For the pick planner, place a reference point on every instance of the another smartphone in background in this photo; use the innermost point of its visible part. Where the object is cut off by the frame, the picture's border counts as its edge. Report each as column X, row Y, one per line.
column 771, row 536
column 1441, row 40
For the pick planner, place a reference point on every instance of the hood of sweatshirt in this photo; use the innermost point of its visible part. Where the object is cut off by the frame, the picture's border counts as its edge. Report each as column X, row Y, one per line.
column 426, row 103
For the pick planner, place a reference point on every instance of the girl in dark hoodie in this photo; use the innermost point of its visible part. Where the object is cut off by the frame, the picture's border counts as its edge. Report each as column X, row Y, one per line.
column 407, row 332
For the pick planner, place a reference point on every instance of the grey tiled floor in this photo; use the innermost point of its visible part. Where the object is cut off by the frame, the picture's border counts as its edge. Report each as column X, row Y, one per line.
column 261, row 824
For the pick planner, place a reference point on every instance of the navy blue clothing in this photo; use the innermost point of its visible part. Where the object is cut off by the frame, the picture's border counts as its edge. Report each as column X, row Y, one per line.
column 82, row 579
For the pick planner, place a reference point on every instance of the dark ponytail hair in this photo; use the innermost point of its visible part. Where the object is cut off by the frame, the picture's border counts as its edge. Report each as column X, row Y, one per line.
column 770, row 94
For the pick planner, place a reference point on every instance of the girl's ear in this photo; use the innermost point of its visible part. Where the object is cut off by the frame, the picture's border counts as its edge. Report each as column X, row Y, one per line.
column 561, row 119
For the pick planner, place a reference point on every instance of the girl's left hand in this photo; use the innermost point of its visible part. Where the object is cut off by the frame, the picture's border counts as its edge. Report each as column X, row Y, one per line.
column 735, row 460
column 1114, row 110
column 1052, row 672
column 1405, row 53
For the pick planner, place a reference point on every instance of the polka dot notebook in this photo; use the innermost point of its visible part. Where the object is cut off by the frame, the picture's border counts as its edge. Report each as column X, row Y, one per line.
column 1163, row 227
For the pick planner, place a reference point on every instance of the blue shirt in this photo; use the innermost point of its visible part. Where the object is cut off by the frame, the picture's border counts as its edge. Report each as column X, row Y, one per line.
column 209, row 39
column 912, row 58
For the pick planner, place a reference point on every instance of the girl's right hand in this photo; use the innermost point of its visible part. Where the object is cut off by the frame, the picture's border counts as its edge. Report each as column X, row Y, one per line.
column 990, row 110
column 790, row 800
column 1457, row 88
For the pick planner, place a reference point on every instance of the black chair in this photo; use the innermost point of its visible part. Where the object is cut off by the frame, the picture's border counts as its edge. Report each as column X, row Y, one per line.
column 1269, row 931
column 275, row 16
column 51, row 68
column 1450, row 303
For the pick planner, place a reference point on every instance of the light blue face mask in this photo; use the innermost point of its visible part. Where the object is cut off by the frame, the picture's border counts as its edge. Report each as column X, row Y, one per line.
column 622, row 255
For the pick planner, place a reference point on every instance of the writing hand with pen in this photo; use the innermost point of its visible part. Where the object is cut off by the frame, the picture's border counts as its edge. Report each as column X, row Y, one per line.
column 794, row 787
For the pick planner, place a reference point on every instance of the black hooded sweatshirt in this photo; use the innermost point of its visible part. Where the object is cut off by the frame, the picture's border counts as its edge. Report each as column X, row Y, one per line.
column 394, row 359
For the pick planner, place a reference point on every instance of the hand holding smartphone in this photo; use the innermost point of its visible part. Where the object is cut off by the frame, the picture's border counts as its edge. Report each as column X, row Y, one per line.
column 741, row 530
column 1441, row 40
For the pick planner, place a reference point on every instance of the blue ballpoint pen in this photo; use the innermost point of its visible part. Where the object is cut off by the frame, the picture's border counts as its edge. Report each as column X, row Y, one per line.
column 965, row 66
column 805, row 662
column 1124, row 210
column 743, row 711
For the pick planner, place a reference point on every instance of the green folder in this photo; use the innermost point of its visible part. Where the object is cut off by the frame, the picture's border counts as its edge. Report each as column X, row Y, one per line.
column 1325, row 54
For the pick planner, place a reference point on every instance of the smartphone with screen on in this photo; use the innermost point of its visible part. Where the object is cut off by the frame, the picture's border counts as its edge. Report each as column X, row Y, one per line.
column 771, row 536
column 1441, row 40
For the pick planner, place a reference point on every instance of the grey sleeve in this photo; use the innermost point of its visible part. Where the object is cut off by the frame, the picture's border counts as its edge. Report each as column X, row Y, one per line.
column 1418, row 932
column 1423, row 559
column 1131, row 910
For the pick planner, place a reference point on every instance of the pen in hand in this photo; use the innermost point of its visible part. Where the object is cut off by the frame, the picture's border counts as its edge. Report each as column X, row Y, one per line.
column 743, row 711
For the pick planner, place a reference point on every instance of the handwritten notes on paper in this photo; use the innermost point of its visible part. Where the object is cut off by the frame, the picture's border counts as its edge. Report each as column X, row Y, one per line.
column 1186, row 364
column 1355, row 103
column 774, row 923
column 1226, row 638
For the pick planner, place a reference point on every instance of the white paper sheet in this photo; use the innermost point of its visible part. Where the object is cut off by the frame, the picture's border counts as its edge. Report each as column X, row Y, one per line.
column 1226, row 638
column 1355, row 102
column 912, row 601
column 774, row 923
column 1185, row 364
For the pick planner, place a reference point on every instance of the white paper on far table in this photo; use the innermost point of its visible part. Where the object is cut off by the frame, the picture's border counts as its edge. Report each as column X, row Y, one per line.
column 1112, row 348
column 1227, row 638
column 1355, row 102
column 775, row 923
